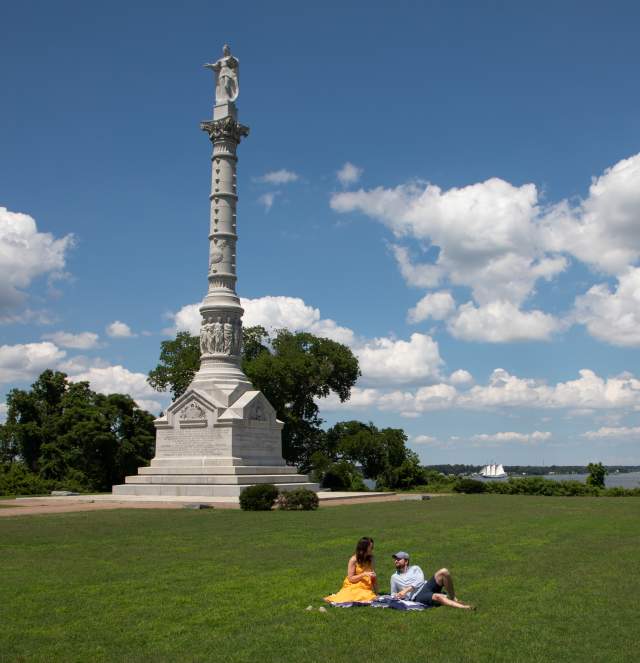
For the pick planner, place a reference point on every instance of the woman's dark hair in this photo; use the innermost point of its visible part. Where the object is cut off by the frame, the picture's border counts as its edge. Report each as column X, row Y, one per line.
column 362, row 550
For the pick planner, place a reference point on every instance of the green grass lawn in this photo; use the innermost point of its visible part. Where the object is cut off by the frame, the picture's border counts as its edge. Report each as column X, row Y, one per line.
column 555, row 579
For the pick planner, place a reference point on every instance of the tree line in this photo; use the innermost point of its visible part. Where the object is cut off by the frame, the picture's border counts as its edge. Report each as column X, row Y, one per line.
column 62, row 434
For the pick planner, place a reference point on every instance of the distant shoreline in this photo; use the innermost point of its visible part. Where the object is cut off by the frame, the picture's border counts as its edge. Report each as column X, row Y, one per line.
column 532, row 470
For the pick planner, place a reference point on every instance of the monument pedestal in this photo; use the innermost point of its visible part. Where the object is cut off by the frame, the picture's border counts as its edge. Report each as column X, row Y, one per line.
column 206, row 448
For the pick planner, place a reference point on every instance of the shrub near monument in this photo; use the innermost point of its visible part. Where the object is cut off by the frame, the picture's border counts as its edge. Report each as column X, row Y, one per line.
column 259, row 497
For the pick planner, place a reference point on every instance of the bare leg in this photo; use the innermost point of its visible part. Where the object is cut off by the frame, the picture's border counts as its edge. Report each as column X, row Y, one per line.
column 452, row 603
column 444, row 579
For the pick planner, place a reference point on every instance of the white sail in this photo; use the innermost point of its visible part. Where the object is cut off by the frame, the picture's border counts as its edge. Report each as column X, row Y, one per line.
column 493, row 470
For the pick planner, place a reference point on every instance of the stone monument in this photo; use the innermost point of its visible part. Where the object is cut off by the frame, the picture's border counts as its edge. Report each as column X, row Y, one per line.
column 220, row 435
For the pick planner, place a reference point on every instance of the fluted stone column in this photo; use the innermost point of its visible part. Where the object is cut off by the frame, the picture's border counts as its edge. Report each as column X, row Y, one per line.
column 221, row 330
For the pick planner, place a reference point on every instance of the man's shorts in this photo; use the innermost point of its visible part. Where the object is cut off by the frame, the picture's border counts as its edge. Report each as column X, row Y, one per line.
column 426, row 592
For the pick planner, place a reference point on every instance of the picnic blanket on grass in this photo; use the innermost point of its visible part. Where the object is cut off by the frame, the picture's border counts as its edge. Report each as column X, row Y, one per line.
column 384, row 601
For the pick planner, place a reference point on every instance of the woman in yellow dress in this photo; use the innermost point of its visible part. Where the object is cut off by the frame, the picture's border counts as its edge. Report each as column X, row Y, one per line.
column 360, row 585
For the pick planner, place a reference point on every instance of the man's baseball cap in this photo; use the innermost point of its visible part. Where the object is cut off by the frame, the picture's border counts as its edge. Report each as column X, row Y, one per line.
column 400, row 555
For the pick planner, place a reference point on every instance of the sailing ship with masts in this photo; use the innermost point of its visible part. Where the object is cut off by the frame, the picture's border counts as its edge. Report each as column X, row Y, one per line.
column 493, row 471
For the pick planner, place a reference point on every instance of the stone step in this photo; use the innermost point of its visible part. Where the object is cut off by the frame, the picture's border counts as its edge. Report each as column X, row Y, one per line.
column 195, row 490
column 231, row 469
column 211, row 461
column 206, row 479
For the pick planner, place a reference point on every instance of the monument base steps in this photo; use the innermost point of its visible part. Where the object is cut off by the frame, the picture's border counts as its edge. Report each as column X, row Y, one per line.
column 281, row 470
column 197, row 490
column 211, row 479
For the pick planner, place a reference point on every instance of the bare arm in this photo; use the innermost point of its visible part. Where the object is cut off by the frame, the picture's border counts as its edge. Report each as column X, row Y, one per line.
column 356, row 577
column 375, row 575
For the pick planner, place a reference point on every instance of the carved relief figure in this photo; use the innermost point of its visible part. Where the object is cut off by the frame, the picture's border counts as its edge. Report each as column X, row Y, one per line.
column 217, row 255
column 192, row 411
column 228, row 337
column 217, row 337
column 205, row 333
column 237, row 338
column 258, row 413
column 227, row 69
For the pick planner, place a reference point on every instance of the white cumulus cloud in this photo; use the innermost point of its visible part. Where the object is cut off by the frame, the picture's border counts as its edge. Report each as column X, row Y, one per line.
column 485, row 231
column 25, row 254
column 505, row 437
column 267, row 199
column 613, row 432
column 349, row 174
column 119, row 329
column 499, row 241
column 399, row 361
column 500, row 322
column 424, row 439
column 613, row 317
column 604, row 229
column 282, row 176
column 119, row 380
column 436, row 305
column 460, row 377
column 24, row 362
column 81, row 341
column 424, row 275
column 272, row 312
column 503, row 391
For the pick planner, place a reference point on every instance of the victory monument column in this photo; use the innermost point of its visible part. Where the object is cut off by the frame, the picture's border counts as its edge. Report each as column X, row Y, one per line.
column 221, row 435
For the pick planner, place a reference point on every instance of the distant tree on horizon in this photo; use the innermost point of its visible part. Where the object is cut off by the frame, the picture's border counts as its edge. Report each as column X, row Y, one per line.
column 597, row 472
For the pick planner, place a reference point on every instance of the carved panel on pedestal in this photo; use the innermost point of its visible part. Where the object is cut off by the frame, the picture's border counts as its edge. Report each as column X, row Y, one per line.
column 192, row 415
column 258, row 412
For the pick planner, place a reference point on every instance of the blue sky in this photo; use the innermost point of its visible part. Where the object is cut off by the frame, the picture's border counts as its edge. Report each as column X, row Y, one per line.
column 453, row 189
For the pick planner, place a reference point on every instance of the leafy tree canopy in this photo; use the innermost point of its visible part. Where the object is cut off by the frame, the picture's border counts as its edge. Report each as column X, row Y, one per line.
column 179, row 360
column 382, row 454
column 62, row 430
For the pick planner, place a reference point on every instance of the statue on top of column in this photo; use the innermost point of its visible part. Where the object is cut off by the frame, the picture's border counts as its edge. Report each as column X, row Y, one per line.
column 227, row 69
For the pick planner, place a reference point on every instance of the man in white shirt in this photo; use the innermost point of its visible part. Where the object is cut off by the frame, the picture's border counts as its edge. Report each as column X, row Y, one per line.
column 408, row 583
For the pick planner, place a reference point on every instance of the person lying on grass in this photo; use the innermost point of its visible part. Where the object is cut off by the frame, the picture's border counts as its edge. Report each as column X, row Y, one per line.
column 408, row 583
column 360, row 585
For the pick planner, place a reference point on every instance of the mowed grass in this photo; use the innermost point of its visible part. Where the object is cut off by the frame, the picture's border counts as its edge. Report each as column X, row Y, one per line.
column 554, row 579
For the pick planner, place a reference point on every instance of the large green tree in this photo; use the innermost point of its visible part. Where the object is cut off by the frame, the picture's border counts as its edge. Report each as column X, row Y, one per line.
column 179, row 360
column 381, row 453
column 62, row 430
column 292, row 369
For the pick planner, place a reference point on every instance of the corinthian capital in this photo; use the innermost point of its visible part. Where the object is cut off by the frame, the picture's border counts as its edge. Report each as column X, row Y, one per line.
column 226, row 128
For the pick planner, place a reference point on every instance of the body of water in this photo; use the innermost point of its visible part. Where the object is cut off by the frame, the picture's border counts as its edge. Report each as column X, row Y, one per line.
column 619, row 480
